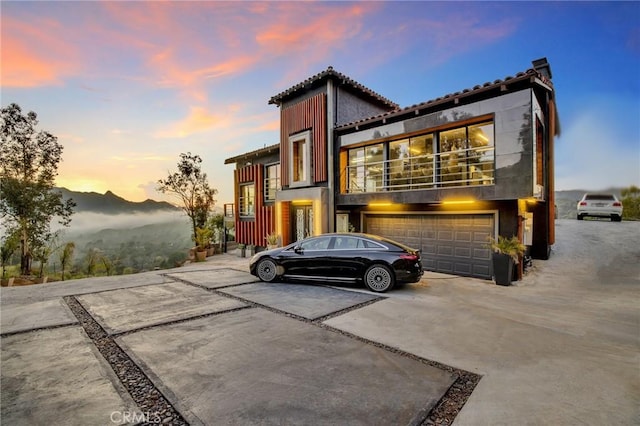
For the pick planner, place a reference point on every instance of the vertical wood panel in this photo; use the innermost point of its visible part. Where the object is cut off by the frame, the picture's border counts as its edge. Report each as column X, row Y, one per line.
column 551, row 190
column 253, row 230
column 305, row 115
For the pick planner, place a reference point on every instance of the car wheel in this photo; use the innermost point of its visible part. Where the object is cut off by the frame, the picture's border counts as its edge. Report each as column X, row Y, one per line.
column 267, row 270
column 580, row 217
column 616, row 218
column 379, row 278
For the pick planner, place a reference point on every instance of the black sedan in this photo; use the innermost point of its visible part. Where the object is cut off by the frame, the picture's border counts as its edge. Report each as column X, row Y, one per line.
column 378, row 262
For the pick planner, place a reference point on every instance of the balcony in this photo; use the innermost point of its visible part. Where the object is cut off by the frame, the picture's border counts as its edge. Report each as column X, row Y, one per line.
column 464, row 167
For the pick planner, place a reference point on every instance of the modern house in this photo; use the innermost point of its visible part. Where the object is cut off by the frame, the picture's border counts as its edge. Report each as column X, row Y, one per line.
column 442, row 176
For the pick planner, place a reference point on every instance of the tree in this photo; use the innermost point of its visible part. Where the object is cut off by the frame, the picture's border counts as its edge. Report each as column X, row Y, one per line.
column 91, row 260
column 28, row 166
column 189, row 184
column 66, row 256
column 631, row 202
column 41, row 251
column 10, row 244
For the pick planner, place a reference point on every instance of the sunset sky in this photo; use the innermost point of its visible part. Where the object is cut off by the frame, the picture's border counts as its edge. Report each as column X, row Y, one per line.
column 128, row 86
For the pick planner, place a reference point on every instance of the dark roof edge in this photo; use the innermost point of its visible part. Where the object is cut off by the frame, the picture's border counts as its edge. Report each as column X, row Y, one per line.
column 255, row 153
column 331, row 73
column 530, row 74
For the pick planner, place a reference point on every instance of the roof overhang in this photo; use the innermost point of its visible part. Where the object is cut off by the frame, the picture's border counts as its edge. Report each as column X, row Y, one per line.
column 342, row 80
column 253, row 154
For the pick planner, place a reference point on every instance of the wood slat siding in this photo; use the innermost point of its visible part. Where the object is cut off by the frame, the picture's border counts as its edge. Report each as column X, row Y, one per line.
column 309, row 114
column 551, row 202
column 253, row 230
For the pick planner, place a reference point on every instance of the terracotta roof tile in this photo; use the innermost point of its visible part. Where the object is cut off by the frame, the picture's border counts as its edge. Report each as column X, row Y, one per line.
column 448, row 97
column 252, row 154
column 331, row 73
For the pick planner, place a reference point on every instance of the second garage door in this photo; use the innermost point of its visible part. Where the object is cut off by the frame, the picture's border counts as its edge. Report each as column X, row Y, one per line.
column 450, row 243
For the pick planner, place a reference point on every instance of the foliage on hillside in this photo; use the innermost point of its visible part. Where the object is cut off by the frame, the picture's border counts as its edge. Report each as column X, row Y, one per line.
column 631, row 203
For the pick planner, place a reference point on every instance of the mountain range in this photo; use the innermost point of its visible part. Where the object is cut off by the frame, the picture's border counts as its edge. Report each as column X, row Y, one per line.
column 110, row 203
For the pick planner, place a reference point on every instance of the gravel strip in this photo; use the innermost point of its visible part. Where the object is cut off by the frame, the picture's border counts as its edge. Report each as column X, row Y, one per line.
column 148, row 398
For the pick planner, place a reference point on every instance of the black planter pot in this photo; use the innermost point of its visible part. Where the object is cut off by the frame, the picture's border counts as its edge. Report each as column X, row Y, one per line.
column 502, row 268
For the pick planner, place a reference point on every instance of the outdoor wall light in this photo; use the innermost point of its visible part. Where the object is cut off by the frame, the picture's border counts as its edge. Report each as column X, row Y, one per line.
column 455, row 202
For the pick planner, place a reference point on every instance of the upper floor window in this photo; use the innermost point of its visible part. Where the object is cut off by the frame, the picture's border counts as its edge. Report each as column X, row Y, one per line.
column 271, row 181
column 300, row 159
column 460, row 156
column 411, row 162
column 366, row 168
column 246, row 202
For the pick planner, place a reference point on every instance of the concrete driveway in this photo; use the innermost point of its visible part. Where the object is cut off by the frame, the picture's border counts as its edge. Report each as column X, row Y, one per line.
column 561, row 347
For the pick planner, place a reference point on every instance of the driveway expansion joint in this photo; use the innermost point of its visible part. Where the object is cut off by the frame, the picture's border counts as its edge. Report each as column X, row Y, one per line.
column 141, row 389
column 33, row 330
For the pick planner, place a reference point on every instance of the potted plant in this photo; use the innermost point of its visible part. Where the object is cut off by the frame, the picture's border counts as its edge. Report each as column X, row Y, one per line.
column 243, row 250
column 506, row 252
column 203, row 237
column 272, row 240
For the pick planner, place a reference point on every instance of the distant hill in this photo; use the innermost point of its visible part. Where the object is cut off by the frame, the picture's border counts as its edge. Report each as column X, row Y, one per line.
column 110, row 203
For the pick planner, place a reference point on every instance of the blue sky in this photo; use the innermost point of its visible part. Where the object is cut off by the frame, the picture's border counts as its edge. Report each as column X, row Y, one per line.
column 128, row 86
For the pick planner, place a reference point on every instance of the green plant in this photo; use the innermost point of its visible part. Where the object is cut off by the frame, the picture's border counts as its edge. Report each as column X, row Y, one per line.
column 510, row 246
column 203, row 237
column 191, row 186
column 272, row 239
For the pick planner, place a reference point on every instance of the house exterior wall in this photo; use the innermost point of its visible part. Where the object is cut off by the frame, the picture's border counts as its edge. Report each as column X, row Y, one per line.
column 520, row 187
column 511, row 114
column 309, row 114
column 334, row 119
column 252, row 230
column 350, row 107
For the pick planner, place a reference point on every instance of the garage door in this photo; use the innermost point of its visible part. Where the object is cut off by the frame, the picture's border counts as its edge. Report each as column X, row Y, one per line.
column 452, row 243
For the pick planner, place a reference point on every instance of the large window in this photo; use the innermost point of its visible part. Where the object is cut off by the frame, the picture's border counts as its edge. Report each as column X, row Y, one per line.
column 366, row 168
column 411, row 162
column 247, row 200
column 271, row 181
column 459, row 156
column 467, row 155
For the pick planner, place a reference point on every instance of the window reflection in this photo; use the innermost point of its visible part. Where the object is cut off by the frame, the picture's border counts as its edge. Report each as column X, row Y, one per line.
column 458, row 157
column 247, row 200
column 366, row 168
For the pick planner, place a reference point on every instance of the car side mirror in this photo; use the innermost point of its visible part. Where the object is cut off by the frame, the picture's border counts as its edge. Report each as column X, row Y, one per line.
column 298, row 249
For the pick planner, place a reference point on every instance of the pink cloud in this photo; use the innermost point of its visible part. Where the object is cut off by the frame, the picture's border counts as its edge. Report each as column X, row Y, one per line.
column 31, row 57
column 198, row 120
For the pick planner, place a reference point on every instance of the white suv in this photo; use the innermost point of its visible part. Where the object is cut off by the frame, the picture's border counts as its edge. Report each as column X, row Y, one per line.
column 600, row 205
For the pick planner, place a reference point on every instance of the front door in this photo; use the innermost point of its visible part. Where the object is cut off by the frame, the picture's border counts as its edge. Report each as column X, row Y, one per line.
column 303, row 221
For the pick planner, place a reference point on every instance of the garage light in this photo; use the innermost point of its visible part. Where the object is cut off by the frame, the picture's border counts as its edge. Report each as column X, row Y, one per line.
column 454, row 202
column 380, row 204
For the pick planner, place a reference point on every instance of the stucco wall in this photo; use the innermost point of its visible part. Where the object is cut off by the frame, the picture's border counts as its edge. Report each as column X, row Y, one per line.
column 352, row 108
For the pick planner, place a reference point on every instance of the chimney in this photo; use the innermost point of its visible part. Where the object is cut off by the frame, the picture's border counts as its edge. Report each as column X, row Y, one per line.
column 542, row 66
